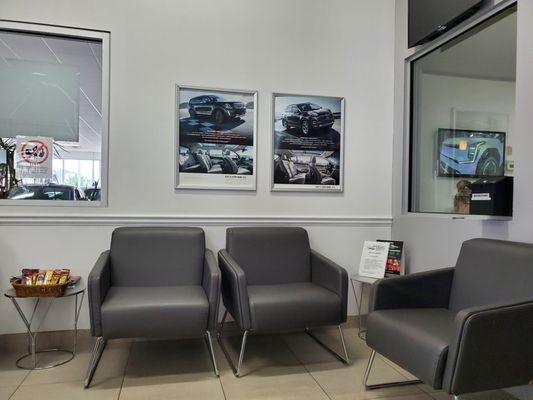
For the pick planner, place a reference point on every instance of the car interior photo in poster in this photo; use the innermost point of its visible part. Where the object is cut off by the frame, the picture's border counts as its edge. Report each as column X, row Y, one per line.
column 216, row 138
column 468, row 153
column 308, row 143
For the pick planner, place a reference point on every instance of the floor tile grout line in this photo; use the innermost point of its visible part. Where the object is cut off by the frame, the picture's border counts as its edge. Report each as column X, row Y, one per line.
column 125, row 370
column 222, row 388
column 19, row 385
column 305, row 368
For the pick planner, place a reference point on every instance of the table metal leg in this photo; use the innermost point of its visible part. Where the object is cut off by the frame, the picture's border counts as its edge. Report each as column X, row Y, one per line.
column 359, row 304
column 32, row 335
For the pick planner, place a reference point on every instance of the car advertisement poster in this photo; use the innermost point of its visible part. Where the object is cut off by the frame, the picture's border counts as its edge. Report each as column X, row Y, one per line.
column 308, row 143
column 216, row 145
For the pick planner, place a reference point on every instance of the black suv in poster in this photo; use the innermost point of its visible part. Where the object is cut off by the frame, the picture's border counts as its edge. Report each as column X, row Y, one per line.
column 307, row 117
column 215, row 107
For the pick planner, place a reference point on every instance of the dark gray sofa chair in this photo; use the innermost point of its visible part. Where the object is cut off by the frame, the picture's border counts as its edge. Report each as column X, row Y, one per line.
column 273, row 281
column 153, row 283
column 464, row 329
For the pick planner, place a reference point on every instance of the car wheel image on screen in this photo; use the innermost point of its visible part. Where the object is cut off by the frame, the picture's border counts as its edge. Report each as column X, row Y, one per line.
column 216, row 139
column 308, row 142
column 468, row 153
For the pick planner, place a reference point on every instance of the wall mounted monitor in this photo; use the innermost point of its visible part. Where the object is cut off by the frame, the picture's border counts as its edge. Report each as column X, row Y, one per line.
column 466, row 153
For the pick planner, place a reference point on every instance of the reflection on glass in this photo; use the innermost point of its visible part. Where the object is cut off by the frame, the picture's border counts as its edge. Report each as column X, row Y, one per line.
column 462, row 115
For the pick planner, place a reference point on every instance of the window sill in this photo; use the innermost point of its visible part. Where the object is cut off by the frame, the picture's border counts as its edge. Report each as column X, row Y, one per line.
column 459, row 217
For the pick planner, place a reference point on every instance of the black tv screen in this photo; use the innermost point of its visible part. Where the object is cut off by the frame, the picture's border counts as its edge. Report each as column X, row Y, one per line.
column 430, row 18
column 465, row 153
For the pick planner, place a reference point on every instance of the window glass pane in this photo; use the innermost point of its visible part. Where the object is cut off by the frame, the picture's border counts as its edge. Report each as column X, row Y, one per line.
column 463, row 100
column 51, row 122
column 71, row 172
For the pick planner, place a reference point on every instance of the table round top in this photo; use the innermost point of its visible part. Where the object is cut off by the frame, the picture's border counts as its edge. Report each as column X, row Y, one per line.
column 77, row 289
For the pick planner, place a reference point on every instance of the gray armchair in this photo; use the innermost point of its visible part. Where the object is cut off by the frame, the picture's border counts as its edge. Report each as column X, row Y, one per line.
column 273, row 281
column 464, row 329
column 153, row 283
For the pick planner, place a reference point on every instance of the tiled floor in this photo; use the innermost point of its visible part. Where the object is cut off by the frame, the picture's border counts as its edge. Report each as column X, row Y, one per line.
column 290, row 366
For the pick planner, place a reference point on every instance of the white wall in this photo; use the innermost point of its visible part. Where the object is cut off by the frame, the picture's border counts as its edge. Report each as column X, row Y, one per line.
column 341, row 48
column 434, row 241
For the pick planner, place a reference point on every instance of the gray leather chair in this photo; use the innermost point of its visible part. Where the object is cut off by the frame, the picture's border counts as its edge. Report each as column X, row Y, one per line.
column 273, row 281
column 153, row 283
column 464, row 329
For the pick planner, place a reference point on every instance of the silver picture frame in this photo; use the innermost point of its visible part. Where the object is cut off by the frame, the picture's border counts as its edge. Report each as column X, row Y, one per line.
column 316, row 188
column 251, row 185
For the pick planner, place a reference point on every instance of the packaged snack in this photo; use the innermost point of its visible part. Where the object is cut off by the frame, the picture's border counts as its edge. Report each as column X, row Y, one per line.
column 49, row 273
column 55, row 277
column 65, row 275
column 39, row 280
column 27, row 280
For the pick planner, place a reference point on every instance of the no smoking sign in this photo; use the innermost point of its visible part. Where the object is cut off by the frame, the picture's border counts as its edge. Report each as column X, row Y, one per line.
column 34, row 152
column 34, row 157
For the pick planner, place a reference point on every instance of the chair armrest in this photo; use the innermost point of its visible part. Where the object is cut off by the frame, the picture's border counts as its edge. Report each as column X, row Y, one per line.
column 331, row 276
column 211, row 285
column 430, row 289
column 234, row 290
column 492, row 348
column 98, row 284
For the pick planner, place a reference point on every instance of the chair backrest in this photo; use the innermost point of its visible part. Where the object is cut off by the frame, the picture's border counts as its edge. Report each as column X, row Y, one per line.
column 271, row 255
column 157, row 256
column 491, row 272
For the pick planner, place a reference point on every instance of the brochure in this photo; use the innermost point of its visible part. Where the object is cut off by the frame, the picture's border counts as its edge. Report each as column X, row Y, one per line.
column 374, row 259
column 395, row 261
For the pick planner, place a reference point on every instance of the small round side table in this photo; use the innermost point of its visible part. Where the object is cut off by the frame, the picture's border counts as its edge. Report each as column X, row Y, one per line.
column 363, row 281
column 78, row 292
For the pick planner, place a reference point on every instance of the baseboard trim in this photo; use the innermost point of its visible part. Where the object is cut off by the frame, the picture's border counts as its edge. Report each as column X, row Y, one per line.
column 201, row 220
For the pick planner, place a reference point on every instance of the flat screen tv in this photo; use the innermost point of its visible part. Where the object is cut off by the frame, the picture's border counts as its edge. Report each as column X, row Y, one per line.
column 431, row 18
column 466, row 153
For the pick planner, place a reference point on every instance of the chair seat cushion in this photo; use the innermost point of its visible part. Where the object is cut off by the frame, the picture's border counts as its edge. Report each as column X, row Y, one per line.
column 292, row 306
column 415, row 339
column 169, row 311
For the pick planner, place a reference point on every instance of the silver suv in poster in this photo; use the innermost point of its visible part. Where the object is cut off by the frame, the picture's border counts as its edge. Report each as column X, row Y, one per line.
column 216, row 107
column 307, row 117
column 472, row 156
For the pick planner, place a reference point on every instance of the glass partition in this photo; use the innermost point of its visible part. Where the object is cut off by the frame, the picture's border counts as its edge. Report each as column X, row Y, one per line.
column 462, row 115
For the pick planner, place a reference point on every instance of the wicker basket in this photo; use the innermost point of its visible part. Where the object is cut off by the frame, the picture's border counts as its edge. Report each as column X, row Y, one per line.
column 40, row 290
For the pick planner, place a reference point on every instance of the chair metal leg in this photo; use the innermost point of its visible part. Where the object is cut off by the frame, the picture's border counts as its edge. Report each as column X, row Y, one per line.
column 386, row 384
column 236, row 370
column 211, row 352
column 346, row 358
column 98, row 349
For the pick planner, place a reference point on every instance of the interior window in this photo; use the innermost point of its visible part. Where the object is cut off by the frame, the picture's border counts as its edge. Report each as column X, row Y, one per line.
column 52, row 117
column 462, row 115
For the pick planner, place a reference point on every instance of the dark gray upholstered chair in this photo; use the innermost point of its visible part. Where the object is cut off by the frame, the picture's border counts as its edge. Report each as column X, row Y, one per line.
column 153, row 283
column 464, row 329
column 273, row 281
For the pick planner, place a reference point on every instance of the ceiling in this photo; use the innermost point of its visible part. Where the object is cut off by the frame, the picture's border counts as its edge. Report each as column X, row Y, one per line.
column 485, row 53
column 86, row 56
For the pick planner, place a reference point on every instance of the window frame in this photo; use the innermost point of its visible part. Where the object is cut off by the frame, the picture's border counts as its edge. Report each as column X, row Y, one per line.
column 408, row 121
column 74, row 33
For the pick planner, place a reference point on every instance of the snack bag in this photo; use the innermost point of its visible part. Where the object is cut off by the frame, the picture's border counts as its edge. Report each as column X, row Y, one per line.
column 65, row 275
column 39, row 280
column 48, row 276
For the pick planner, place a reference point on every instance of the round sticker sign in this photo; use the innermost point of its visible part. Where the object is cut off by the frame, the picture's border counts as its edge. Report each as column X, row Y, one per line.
column 34, row 152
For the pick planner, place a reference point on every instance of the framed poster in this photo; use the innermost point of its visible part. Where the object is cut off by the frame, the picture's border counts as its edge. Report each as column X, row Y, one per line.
column 308, row 141
column 216, row 138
